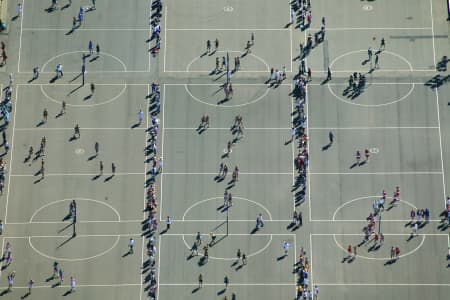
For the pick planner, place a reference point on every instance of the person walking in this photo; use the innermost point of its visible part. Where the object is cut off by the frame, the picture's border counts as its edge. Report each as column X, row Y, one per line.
column 77, row 131
column 35, row 73
column 226, row 281
column 30, row 286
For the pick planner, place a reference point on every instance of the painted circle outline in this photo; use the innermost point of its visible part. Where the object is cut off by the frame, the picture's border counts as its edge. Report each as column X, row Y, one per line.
column 81, row 51
column 77, row 199
column 381, row 258
column 214, row 198
column 84, row 105
column 233, row 258
column 224, row 105
column 231, row 51
column 72, row 259
column 364, row 198
column 372, row 105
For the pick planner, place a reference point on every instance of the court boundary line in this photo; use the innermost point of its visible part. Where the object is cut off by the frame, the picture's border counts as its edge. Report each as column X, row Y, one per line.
column 74, row 174
column 432, row 34
column 11, row 157
column 145, row 175
column 369, row 28
column 20, row 36
column 378, row 173
column 373, row 128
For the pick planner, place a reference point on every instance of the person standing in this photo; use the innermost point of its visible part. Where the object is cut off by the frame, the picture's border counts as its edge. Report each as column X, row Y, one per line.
column 113, row 169
column 168, row 223
column 285, row 248
column 72, row 284
column 330, row 137
column 101, row 168
column 328, row 74
column 140, row 116
column 131, row 246
column 83, row 73
column 91, row 47
column 200, row 281
column 96, row 148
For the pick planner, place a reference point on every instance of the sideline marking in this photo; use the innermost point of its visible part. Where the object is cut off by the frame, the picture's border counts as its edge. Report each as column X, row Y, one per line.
column 432, row 33
column 12, row 152
column 20, row 35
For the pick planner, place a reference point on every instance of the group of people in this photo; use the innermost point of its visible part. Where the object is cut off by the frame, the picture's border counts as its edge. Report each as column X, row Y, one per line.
column 151, row 208
column 155, row 22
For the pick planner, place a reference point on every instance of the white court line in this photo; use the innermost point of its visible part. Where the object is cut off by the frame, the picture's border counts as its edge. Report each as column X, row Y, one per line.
column 377, row 71
column 295, row 273
column 293, row 149
column 378, row 173
column 440, row 147
column 68, row 286
column 232, row 234
column 3, row 245
column 218, row 220
column 227, row 29
column 145, row 176
column 162, row 152
column 221, row 284
column 200, row 71
column 370, row 28
column 165, row 44
column 311, row 260
column 383, row 284
column 86, row 29
column 78, row 235
column 87, row 72
column 215, row 173
column 76, row 84
column 432, row 33
column 74, row 174
column 393, row 234
column 71, row 129
column 150, row 31
column 224, row 128
column 20, row 36
column 215, row 84
column 378, row 83
column 372, row 128
column 12, row 152
column 87, row 221
column 365, row 221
